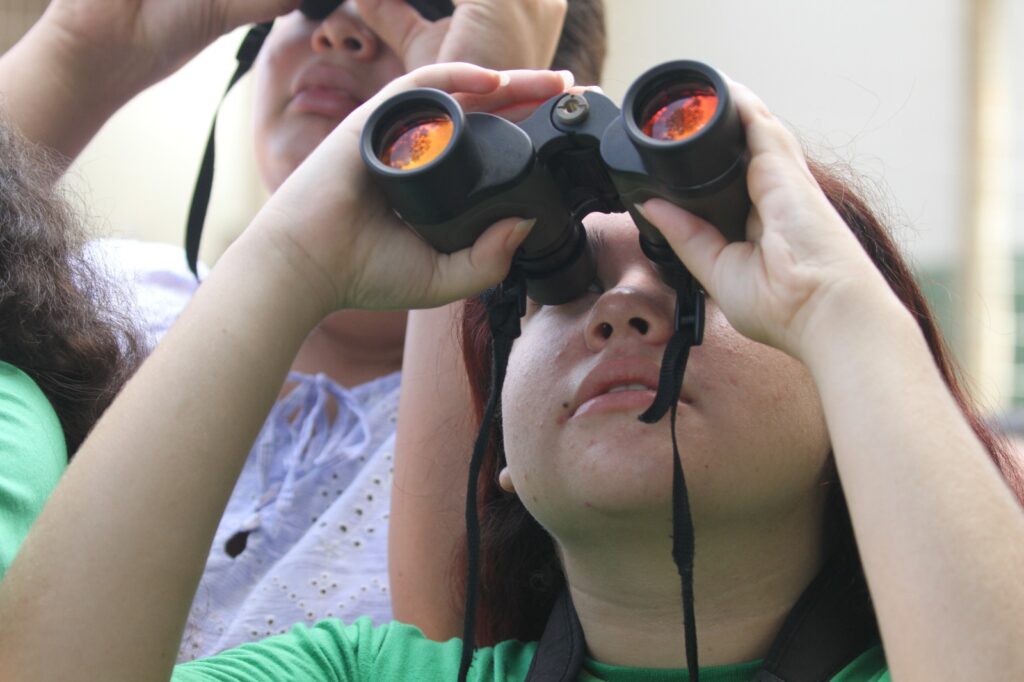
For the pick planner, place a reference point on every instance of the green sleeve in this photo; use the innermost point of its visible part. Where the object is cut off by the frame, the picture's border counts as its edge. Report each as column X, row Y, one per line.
column 331, row 651
column 32, row 457
column 327, row 652
column 868, row 667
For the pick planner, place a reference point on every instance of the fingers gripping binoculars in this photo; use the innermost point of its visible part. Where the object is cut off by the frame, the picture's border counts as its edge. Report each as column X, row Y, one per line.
column 449, row 175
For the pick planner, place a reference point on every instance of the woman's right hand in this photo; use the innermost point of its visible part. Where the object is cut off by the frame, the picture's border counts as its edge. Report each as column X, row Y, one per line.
column 349, row 248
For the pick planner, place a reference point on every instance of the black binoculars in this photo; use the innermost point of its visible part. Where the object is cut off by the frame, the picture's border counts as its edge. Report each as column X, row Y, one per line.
column 428, row 9
column 449, row 175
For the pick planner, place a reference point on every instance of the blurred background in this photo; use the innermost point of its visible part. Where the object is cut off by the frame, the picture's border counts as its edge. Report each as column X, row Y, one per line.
column 922, row 98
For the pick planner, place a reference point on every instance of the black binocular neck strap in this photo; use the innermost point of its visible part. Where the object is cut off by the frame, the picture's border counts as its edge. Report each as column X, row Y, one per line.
column 689, row 332
column 247, row 52
column 505, row 304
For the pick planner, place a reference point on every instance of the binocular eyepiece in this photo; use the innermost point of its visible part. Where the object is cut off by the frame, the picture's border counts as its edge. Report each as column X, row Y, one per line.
column 317, row 10
column 449, row 175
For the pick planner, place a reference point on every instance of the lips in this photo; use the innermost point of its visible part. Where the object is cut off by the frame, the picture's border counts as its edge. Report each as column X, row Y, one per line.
column 620, row 384
column 324, row 90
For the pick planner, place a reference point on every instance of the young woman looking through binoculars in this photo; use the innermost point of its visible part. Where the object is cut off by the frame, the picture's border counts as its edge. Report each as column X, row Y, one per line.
column 808, row 352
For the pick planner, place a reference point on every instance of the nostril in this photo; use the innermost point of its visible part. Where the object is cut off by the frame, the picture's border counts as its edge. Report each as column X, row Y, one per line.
column 605, row 330
column 639, row 324
column 352, row 44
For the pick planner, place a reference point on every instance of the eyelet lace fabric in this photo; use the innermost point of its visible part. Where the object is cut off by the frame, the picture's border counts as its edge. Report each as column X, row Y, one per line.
column 313, row 501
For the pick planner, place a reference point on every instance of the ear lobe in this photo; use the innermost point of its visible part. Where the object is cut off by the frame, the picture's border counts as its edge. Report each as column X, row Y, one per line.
column 505, row 481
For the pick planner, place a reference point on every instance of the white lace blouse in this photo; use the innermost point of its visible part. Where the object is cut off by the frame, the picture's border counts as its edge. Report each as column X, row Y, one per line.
column 304, row 535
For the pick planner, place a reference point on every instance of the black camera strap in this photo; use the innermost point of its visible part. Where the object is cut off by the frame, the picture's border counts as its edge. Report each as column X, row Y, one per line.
column 505, row 305
column 247, row 52
column 688, row 332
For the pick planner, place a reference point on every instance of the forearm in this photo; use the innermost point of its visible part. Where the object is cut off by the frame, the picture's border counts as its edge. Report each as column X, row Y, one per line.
column 52, row 96
column 110, row 568
column 941, row 536
column 432, row 448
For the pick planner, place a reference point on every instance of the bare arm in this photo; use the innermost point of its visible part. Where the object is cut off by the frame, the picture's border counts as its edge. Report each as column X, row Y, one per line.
column 436, row 428
column 109, row 570
column 84, row 59
column 941, row 536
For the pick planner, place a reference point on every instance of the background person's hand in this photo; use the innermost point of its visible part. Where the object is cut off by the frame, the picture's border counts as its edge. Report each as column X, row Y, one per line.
column 498, row 34
column 131, row 44
column 799, row 256
column 332, row 220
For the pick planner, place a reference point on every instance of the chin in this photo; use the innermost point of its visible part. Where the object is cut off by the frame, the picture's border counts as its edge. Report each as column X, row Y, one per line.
column 285, row 152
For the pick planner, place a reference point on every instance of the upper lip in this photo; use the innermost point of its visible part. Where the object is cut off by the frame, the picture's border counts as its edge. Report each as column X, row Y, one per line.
column 321, row 75
column 617, row 372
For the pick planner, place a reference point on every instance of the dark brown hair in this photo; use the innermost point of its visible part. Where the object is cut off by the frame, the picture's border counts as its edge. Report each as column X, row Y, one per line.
column 583, row 44
column 520, row 574
column 61, row 322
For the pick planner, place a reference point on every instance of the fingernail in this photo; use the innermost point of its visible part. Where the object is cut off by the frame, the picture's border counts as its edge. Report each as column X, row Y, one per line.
column 567, row 78
column 520, row 231
column 503, row 79
column 640, row 209
column 524, row 225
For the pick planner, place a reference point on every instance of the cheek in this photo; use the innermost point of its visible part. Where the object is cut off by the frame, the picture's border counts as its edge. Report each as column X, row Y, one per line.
column 535, row 400
column 762, row 411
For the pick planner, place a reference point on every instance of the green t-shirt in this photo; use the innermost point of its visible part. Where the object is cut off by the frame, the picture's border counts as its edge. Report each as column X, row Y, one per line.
column 33, row 456
column 331, row 651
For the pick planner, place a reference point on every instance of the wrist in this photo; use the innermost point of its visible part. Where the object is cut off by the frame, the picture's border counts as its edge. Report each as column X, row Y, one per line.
column 55, row 91
column 266, row 248
column 859, row 320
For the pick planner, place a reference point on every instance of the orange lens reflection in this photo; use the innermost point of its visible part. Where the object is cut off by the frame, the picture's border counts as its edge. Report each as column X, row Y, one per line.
column 680, row 113
column 417, row 142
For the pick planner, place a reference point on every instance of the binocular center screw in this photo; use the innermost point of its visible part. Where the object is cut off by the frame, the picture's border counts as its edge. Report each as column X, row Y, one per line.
column 572, row 109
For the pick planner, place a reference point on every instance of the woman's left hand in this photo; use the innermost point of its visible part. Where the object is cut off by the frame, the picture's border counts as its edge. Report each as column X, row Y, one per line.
column 799, row 257
column 352, row 248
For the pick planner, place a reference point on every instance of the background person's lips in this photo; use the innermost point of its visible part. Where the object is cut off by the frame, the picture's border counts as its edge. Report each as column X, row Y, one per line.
column 322, row 100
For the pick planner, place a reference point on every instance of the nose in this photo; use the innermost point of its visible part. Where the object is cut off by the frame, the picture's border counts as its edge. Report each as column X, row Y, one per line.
column 629, row 312
column 343, row 30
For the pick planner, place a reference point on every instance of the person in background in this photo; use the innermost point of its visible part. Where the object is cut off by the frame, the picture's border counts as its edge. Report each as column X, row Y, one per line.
column 305, row 533
column 66, row 346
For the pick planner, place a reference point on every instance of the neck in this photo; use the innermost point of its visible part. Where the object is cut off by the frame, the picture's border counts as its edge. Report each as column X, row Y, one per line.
column 746, row 579
column 353, row 347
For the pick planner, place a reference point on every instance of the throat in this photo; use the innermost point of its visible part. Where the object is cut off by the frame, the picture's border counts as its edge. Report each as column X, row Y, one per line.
column 354, row 347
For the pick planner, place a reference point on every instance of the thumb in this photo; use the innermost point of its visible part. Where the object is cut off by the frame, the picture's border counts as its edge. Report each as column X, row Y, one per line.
column 485, row 263
column 395, row 22
column 697, row 242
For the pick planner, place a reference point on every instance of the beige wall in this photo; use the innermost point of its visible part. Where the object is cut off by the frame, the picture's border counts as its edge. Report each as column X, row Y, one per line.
column 15, row 18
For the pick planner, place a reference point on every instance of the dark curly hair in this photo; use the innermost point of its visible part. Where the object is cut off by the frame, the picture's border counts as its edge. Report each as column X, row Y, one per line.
column 61, row 320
